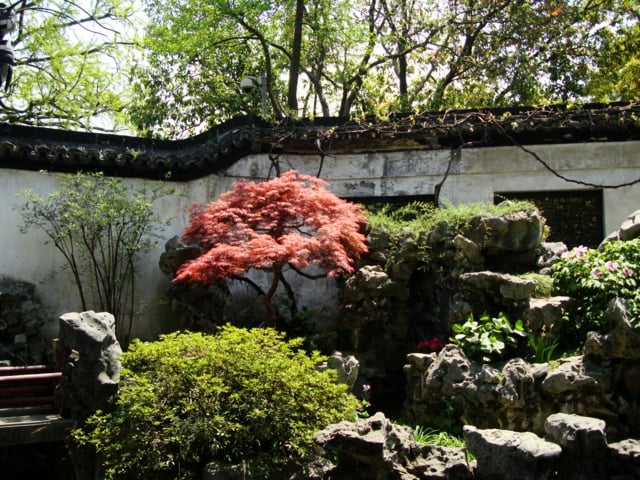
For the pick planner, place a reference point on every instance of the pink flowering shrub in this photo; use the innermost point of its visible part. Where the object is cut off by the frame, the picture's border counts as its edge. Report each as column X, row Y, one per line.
column 595, row 277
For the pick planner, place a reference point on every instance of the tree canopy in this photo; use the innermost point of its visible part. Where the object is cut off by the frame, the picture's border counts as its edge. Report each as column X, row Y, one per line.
column 287, row 223
column 363, row 57
column 71, row 64
column 77, row 63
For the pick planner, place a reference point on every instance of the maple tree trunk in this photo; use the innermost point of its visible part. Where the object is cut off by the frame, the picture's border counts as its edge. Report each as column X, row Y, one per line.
column 272, row 313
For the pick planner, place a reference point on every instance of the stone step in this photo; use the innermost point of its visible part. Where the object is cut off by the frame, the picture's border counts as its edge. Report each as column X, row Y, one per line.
column 34, row 428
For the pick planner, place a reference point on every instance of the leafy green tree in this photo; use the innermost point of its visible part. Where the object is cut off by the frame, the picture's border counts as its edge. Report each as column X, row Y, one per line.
column 70, row 64
column 101, row 228
column 617, row 73
column 505, row 52
column 377, row 56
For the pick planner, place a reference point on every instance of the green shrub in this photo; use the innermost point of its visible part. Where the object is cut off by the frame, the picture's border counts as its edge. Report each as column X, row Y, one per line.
column 543, row 284
column 595, row 277
column 423, row 216
column 190, row 398
column 488, row 338
column 102, row 229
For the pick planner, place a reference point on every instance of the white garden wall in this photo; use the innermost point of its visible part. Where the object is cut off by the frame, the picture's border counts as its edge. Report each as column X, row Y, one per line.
column 474, row 176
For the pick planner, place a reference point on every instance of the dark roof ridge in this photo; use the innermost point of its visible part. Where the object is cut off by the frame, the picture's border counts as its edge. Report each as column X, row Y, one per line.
column 27, row 147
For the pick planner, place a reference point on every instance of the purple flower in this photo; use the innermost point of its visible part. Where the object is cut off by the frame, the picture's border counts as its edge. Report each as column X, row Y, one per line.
column 580, row 250
column 366, row 387
column 611, row 266
column 627, row 272
column 595, row 273
column 575, row 252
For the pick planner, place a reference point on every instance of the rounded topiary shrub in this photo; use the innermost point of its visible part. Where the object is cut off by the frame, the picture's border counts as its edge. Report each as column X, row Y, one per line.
column 192, row 398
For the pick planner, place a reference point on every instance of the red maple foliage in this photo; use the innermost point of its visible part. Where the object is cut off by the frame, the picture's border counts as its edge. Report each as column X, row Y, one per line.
column 287, row 223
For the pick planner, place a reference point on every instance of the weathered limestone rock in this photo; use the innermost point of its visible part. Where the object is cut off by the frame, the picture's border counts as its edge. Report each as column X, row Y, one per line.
column 544, row 314
column 175, row 254
column 625, row 459
column 506, row 455
column 506, row 396
column 621, row 342
column 377, row 449
column 518, row 395
column 91, row 369
column 439, row 377
column 492, row 292
column 88, row 351
column 373, row 327
column 347, row 367
column 575, row 448
column 549, row 254
column 498, row 285
column 315, row 468
column 393, row 303
column 629, row 230
column 379, row 241
column 468, row 251
column 517, row 232
column 583, row 386
column 584, row 445
column 370, row 281
column 575, row 375
column 197, row 306
column 21, row 322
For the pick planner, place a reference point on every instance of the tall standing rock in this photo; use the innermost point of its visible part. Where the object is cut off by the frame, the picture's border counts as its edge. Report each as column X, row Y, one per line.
column 91, row 369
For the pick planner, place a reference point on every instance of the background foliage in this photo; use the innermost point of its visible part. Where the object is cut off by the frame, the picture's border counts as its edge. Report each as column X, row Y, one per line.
column 375, row 57
column 79, row 64
column 72, row 62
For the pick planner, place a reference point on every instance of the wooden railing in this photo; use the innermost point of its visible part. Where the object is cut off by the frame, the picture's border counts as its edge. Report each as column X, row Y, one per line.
column 31, row 386
column 28, row 413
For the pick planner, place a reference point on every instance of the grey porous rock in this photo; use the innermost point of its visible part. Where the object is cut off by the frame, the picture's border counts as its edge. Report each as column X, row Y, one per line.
column 375, row 449
column 629, row 230
column 91, row 370
column 21, row 323
column 622, row 341
column 584, row 445
column 197, row 306
column 507, row 455
column 505, row 395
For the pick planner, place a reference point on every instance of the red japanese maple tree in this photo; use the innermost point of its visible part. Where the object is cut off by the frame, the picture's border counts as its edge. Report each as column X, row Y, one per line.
column 287, row 223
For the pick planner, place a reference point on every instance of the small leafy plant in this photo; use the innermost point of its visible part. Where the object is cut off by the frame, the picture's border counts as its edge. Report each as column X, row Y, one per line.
column 432, row 436
column 595, row 277
column 488, row 338
column 542, row 346
column 192, row 398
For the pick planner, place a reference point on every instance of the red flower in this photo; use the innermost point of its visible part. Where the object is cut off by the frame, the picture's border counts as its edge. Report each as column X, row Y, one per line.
column 434, row 344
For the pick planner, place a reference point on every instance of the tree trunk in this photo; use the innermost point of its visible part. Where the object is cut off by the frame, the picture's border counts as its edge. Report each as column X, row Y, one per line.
column 296, row 53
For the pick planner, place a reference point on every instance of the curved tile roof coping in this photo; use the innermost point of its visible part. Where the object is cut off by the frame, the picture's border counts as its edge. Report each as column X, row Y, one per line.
column 36, row 148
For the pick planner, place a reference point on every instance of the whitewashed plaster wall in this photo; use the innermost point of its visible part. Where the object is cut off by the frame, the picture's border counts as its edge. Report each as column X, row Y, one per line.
column 474, row 176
